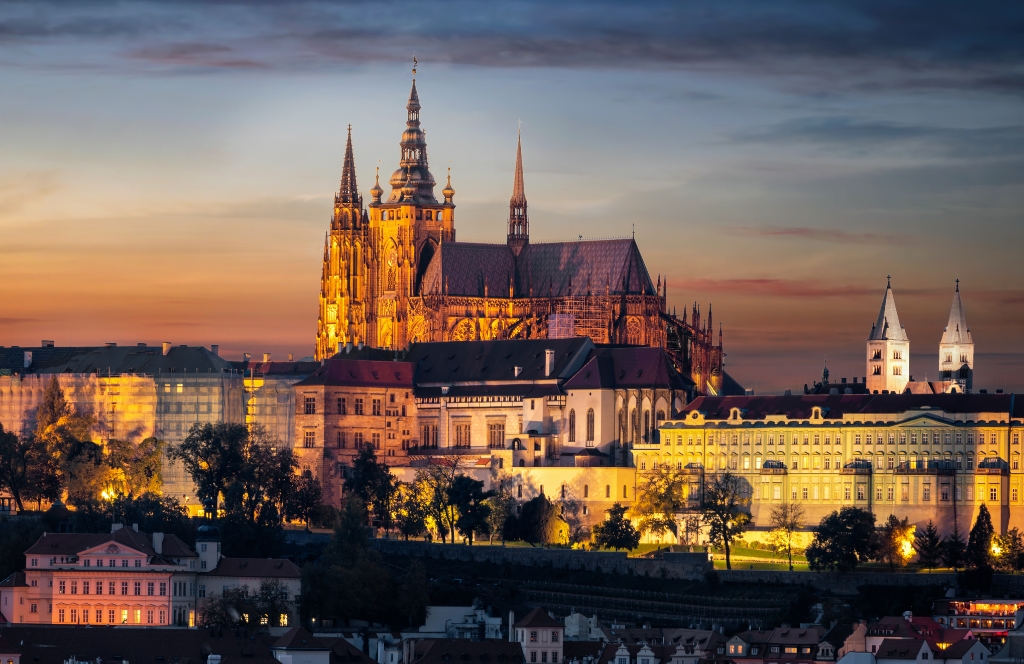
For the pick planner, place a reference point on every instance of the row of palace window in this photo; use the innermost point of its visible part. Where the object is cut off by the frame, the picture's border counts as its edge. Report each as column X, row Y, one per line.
column 112, row 562
column 888, row 462
column 114, row 616
column 868, row 438
column 586, row 490
column 359, row 439
column 358, row 406
column 62, row 587
column 887, row 493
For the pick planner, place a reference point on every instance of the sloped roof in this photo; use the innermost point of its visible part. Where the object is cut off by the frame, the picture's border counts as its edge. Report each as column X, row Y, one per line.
column 838, row 405
column 628, row 367
column 297, row 638
column 370, row 373
column 555, row 268
column 474, row 362
column 537, row 618
column 956, row 331
column 959, row 648
column 906, row 648
column 463, row 651
column 270, row 568
column 277, row 368
column 344, row 651
column 139, row 359
column 888, row 326
column 70, row 544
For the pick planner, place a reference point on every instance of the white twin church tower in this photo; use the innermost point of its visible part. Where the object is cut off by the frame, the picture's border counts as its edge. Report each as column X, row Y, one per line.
column 888, row 352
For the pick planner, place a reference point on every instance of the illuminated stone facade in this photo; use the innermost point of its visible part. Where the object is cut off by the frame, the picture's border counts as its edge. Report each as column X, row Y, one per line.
column 936, row 457
column 393, row 274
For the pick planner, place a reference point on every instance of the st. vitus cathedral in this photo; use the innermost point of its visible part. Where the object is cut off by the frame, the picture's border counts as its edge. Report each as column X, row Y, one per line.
column 394, row 274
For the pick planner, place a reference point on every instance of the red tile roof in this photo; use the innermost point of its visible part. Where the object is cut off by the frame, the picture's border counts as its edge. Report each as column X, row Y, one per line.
column 373, row 373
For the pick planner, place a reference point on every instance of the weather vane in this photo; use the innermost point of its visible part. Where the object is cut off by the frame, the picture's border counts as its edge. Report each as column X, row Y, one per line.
column 414, row 65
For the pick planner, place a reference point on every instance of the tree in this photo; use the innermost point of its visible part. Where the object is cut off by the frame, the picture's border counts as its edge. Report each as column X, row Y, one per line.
column 306, row 497
column 895, row 542
column 723, row 510
column 153, row 513
column 503, row 508
column 979, row 543
column 786, row 520
column 15, row 456
column 539, row 523
column 659, row 497
column 135, row 467
column 470, row 500
column 616, row 532
column 1008, row 551
column 407, row 510
column 928, row 546
column 842, row 540
column 436, row 481
column 954, row 550
column 212, row 455
column 63, row 457
column 372, row 481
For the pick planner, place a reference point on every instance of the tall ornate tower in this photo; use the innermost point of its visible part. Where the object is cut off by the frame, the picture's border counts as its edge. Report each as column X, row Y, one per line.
column 518, row 222
column 405, row 231
column 888, row 349
column 343, row 279
column 956, row 348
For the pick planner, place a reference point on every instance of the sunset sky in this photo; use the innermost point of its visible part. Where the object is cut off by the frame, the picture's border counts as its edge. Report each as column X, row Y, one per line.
column 167, row 168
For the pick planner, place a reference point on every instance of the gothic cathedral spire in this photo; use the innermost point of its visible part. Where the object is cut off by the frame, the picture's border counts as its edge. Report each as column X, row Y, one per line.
column 518, row 221
column 348, row 192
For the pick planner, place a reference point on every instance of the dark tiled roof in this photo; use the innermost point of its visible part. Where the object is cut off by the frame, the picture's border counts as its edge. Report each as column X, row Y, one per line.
column 800, row 406
column 475, row 361
column 371, row 373
column 837, row 635
column 115, row 360
column 537, row 618
column 298, row 638
column 15, row 579
column 344, row 651
column 628, row 367
column 899, row 648
column 279, row 568
column 463, row 651
column 56, row 645
column 555, row 268
column 69, row 544
column 958, row 649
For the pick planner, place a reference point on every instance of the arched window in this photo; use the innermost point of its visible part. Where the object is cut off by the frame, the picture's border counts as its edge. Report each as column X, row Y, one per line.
column 522, row 463
column 647, row 426
column 392, row 270
column 586, row 491
column 590, row 425
column 632, row 426
column 430, row 215
column 572, row 426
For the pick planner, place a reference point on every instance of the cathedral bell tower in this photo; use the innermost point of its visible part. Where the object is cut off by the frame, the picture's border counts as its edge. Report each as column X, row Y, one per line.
column 956, row 348
column 518, row 221
column 888, row 350
column 342, row 279
column 405, row 231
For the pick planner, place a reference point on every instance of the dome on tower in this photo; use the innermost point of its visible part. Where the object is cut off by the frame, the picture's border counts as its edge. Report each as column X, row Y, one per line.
column 448, row 192
column 376, row 192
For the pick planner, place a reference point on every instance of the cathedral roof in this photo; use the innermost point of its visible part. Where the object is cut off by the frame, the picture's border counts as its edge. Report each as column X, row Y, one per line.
column 956, row 331
column 887, row 327
column 555, row 268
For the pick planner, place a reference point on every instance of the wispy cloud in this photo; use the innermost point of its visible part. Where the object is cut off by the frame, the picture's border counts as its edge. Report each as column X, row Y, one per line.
column 777, row 288
column 820, row 234
column 845, row 43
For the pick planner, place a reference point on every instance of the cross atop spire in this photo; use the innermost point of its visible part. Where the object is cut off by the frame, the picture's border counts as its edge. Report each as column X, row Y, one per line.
column 518, row 221
column 348, row 192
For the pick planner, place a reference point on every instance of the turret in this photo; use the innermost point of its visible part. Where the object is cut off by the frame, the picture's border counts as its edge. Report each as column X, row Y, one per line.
column 956, row 348
column 888, row 349
column 518, row 221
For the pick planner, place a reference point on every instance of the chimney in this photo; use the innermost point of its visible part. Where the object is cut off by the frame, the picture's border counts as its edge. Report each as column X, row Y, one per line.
column 167, row 347
column 135, row 527
column 517, row 371
column 291, row 357
column 215, row 349
column 158, row 543
column 247, row 356
column 511, row 629
column 47, row 343
column 549, row 361
column 266, row 357
column 111, row 344
column 348, row 347
column 27, row 360
column 114, row 527
column 360, row 344
column 340, row 346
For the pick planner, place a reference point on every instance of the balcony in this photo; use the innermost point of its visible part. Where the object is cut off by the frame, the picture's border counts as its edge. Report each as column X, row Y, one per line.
column 926, row 468
column 993, row 467
column 774, row 468
column 856, row 467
